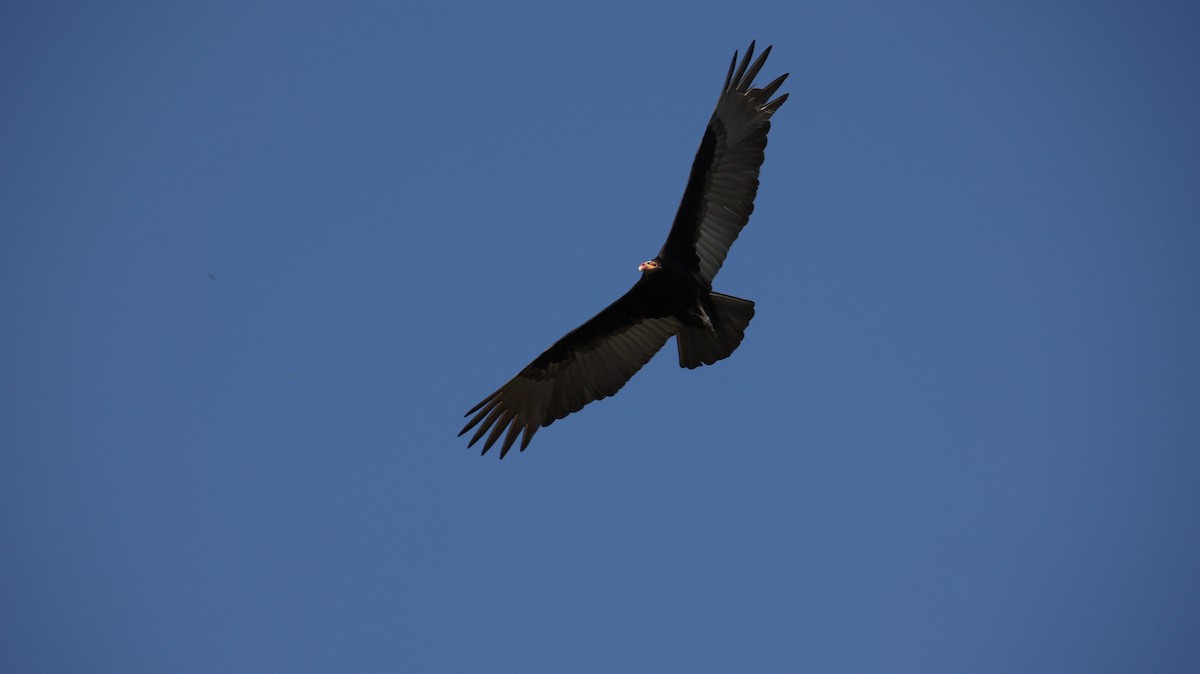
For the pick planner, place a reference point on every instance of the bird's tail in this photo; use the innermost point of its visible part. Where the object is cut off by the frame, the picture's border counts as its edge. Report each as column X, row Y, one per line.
column 701, row 346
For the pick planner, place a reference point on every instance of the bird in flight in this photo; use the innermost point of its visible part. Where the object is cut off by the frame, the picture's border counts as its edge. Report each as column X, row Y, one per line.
column 674, row 295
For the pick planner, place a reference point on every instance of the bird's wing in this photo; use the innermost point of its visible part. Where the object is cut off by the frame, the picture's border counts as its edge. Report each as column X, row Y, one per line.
column 591, row 362
column 720, row 192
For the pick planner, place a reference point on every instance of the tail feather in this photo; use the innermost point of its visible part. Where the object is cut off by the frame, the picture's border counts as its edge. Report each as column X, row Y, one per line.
column 700, row 346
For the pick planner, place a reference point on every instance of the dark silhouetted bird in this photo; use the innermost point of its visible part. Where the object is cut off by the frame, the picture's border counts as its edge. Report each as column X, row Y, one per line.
column 674, row 295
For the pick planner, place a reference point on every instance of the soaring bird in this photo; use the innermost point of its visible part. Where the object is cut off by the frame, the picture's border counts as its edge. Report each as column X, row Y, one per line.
column 674, row 295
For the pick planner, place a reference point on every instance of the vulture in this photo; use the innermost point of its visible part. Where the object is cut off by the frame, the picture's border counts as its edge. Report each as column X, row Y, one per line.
column 674, row 295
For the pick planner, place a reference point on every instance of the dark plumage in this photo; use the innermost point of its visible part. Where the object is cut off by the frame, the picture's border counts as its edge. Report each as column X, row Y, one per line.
column 674, row 295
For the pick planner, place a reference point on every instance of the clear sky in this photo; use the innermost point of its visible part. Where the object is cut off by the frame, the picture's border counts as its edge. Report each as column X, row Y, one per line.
column 257, row 259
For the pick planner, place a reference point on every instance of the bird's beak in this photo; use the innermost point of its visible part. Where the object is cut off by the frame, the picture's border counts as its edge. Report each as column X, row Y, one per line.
column 643, row 267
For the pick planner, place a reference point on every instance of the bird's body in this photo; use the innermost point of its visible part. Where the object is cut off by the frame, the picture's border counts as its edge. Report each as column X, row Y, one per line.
column 674, row 295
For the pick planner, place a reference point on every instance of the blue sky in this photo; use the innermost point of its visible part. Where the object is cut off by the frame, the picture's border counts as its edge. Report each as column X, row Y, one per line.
column 962, row 434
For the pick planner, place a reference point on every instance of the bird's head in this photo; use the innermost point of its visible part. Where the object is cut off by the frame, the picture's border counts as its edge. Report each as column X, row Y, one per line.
column 649, row 266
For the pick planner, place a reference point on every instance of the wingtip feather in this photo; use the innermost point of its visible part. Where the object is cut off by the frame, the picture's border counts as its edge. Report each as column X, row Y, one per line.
column 770, row 89
column 487, row 405
column 491, row 419
column 748, row 79
column 513, row 430
column 741, row 71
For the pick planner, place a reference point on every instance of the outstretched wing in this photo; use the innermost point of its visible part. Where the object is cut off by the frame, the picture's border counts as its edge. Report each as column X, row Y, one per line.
column 591, row 362
column 720, row 192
